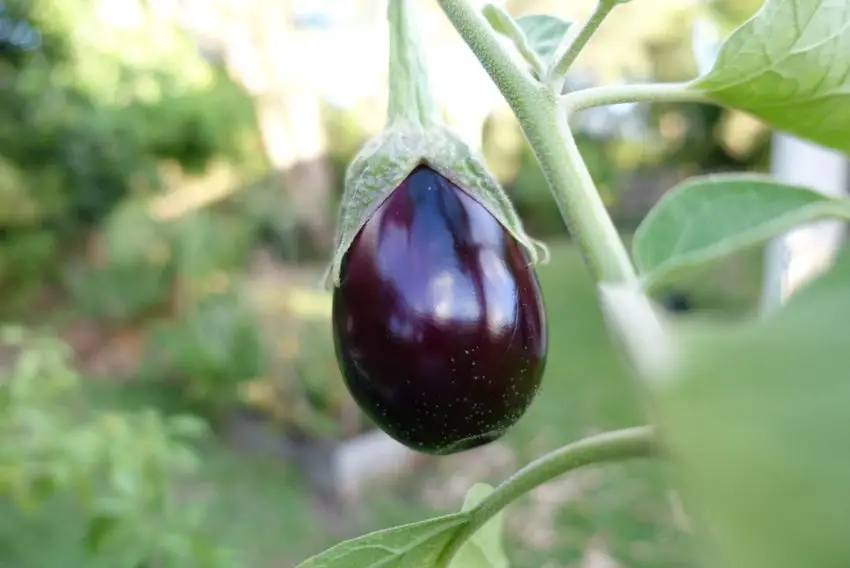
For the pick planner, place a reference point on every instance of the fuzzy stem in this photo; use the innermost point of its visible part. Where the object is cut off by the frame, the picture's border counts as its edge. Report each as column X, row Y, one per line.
column 517, row 86
column 574, row 41
column 618, row 94
column 544, row 125
column 578, row 200
column 409, row 89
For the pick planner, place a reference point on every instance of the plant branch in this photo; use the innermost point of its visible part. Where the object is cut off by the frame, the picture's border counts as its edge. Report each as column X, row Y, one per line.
column 516, row 84
column 578, row 200
column 618, row 94
column 574, row 41
column 545, row 126
column 638, row 442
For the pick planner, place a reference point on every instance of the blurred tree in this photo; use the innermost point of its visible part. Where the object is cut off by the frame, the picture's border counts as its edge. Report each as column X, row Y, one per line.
column 88, row 113
column 268, row 51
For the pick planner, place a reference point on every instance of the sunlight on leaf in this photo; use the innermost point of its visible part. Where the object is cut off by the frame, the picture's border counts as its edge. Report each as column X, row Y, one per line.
column 484, row 548
column 544, row 33
column 756, row 426
column 790, row 66
column 708, row 218
column 416, row 545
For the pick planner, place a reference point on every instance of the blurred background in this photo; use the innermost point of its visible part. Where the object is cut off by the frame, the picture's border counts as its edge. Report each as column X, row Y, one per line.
column 169, row 177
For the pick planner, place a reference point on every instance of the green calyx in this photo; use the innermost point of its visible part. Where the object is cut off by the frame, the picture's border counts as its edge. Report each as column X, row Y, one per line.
column 415, row 136
column 386, row 160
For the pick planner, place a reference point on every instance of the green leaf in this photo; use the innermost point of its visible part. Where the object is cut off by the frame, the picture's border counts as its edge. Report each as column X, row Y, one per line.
column 756, row 425
column 417, row 545
column 790, row 66
column 708, row 218
column 543, row 33
column 484, row 548
column 100, row 527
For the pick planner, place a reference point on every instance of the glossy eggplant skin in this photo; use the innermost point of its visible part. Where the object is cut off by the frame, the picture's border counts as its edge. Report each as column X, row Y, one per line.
column 439, row 323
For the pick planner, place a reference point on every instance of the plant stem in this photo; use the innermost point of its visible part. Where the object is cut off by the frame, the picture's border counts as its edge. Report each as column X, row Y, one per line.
column 574, row 41
column 611, row 446
column 578, row 200
column 545, row 126
column 516, row 85
column 409, row 90
column 618, row 94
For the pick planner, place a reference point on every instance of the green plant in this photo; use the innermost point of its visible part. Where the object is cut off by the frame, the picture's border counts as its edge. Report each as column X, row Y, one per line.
column 85, row 488
column 205, row 355
column 750, row 415
column 135, row 272
column 212, row 341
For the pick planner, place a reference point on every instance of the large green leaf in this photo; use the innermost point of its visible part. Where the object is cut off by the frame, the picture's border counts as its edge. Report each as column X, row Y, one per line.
column 757, row 427
column 707, row 218
column 420, row 545
column 790, row 66
column 416, row 545
column 484, row 548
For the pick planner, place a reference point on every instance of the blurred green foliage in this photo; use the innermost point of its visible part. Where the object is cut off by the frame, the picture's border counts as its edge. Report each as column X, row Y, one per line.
column 135, row 272
column 87, row 120
column 88, row 116
column 204, row 355
column 301, row 390
column 87, row 489
column 179, row 280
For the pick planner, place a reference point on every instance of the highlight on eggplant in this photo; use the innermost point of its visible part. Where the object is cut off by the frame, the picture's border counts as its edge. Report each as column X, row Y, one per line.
column 438, row 320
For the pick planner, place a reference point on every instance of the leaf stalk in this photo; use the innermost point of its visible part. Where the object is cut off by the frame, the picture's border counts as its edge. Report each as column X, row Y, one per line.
column 629, row 443
column 639, row 93
column 574, row 41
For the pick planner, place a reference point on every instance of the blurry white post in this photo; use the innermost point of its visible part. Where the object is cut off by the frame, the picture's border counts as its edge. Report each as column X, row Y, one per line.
column 794, row 258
